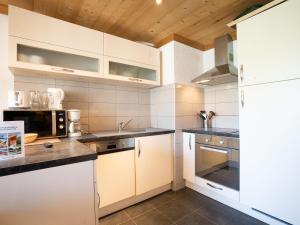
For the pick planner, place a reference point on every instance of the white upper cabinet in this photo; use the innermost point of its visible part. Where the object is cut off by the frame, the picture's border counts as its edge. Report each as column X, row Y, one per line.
column 268, row 45
column 37, row 27
column 130, row 61
column 189, row 157
column 129, row 50
column 36, row 58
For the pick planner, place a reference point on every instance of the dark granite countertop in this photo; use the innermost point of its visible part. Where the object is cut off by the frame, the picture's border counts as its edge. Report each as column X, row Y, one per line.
column 68, row 151
column 214, row 131
column 38, row 157
column 130, row 133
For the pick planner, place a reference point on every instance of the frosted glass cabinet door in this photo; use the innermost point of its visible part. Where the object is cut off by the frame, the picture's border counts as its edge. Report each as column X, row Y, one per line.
column 269, row 149
column 125, row 70
column 268, row 45
column 35, row 56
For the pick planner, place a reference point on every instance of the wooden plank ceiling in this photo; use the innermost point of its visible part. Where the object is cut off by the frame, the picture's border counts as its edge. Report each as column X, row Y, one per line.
column 194, row 22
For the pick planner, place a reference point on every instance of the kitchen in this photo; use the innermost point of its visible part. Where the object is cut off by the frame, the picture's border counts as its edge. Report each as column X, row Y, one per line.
column 143, row 125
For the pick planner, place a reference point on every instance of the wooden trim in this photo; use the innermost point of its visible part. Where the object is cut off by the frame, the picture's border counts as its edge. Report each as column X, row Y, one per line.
column 3, row 9
column 164, row 41
column 183, row 40
column 255, row 12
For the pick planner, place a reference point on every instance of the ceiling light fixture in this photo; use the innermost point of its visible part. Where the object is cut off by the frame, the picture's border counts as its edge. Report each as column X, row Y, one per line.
column 202, row 81
column 158, row 2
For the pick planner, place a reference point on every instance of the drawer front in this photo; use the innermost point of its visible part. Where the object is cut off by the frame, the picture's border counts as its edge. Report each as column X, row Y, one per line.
column 220, row 141
column 204, row 139
column 218, row 189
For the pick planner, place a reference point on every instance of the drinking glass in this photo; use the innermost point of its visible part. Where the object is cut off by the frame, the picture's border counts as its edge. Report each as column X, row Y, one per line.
column 45, row 100
column 34, row 99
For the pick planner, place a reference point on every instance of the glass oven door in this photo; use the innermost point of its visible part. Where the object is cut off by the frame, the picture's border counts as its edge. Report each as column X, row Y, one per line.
column 219, row 165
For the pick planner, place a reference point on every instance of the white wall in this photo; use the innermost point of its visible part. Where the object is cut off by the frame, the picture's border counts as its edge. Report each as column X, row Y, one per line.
column 6, row 78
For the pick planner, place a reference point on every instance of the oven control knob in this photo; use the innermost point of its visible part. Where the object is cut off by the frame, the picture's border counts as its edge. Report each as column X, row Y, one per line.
column 61, row 127
column 221, row 142
column 61, row 119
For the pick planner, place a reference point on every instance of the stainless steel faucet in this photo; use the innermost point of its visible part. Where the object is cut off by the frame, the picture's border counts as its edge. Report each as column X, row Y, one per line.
column 123, row 125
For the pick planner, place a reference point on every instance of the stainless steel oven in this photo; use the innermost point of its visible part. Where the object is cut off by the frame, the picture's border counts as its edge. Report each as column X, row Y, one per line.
column 217, row 159
column 46, row 123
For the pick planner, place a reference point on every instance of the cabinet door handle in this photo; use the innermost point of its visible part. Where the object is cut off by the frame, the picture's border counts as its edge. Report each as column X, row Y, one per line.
column 133, row 79
column 139, row 144
column 242, row 73
column 215, row 187
column 62, row 70
column 98, row 200
column 242, row 98
column 190, row 142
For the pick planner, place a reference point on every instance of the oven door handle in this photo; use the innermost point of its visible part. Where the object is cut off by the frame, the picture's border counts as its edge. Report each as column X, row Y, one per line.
column 214, row 150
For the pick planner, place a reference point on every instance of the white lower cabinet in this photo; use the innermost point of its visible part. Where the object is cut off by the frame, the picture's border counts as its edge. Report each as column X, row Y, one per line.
column 59, row 195
column 189, row 157
column 153, row 156
column 115, row 177
column 269, row 155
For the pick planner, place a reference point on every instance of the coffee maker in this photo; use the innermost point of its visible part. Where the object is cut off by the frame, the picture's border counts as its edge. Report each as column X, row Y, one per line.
column 74, row 129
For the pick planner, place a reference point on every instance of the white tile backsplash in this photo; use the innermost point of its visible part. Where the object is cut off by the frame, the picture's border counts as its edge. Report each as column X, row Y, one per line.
column 223, row 100
column 102, row 106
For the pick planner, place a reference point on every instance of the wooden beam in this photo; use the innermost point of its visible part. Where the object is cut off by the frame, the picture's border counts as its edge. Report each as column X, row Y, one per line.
column 183, row 40
column 3, row 9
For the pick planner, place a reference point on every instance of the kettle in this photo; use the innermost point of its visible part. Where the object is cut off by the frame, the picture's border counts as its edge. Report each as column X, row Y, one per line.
column 55, row 98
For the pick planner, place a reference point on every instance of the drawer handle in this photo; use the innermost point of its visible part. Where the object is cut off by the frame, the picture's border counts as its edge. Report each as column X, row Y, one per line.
column 215, row 187
column 242, row 73
column 190, row 142
column 62, row 70
column 139, row 152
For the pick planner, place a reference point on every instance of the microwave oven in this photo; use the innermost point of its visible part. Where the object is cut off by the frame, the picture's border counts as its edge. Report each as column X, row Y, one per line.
column 46, row 123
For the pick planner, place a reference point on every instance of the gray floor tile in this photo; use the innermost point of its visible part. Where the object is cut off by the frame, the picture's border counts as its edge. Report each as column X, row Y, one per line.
column 114, row 219
column 139, row 209
column 129, row 222
column 194, row 219
column 174, row 210
column 184, row 207
column 161, row 199
column 152, row 218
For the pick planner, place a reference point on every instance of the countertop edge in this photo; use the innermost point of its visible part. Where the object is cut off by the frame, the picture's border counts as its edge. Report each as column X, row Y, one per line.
column 210, row 133
column 46, row 164
column 121, row 136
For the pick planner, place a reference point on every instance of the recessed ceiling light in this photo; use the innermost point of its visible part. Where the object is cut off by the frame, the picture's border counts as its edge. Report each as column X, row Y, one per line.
column 158, row 2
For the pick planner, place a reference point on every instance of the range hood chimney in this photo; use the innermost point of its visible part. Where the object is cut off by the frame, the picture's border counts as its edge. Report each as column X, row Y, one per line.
column 224, row 70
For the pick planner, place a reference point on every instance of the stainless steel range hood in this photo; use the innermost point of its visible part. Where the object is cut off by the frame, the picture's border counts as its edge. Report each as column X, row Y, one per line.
column 224, row 70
